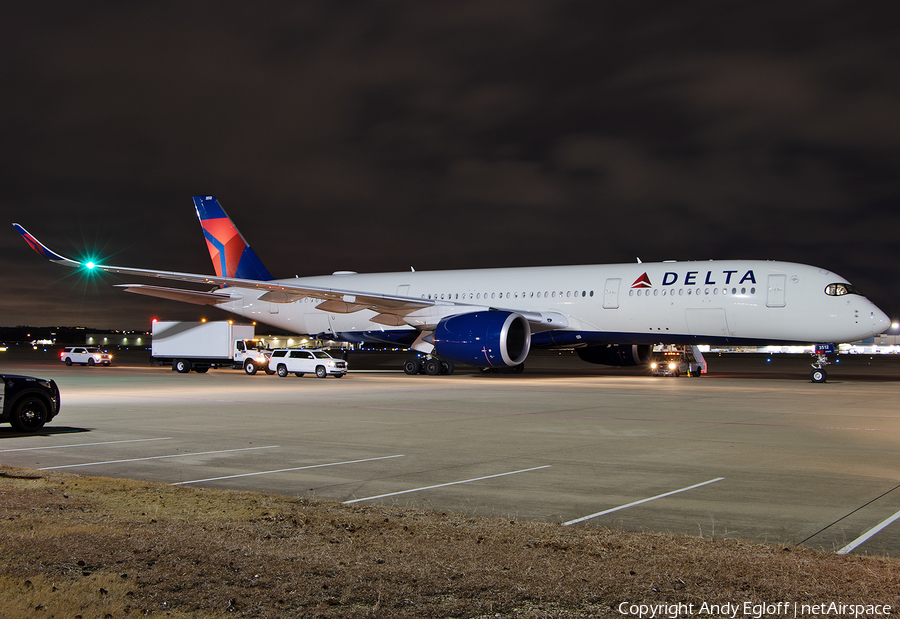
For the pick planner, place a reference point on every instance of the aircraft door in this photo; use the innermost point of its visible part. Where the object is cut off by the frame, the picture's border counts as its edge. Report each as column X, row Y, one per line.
column 611, row 293
column 775, row 293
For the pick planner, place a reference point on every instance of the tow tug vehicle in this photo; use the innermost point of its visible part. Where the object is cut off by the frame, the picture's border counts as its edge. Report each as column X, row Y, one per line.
column 674, row 360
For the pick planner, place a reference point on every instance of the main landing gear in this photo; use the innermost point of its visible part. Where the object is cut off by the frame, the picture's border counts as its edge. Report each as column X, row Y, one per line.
column 432, row 366
column 429, row 365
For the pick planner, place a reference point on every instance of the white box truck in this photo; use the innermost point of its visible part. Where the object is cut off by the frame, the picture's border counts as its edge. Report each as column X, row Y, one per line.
column 199, row 346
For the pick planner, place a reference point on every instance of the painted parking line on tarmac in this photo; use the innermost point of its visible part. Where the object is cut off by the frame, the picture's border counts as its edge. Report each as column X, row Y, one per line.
column 653, row 498
column 452, row 483
column 137, row 440
column 299, row 468
column 868, row 534
column 200, row 453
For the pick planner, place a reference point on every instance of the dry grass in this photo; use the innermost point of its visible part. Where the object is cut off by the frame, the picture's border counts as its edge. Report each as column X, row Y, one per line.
column 96, row 547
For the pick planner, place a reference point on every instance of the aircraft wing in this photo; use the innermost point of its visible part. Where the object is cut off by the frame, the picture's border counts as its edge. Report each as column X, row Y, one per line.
column 390, row 309
column 334, row 299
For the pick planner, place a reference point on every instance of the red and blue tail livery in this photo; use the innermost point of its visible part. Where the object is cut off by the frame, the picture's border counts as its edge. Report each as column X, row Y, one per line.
column 231, row 255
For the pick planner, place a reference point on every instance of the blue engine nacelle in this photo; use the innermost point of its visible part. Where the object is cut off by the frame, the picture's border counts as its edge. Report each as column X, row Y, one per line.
column 484, row 339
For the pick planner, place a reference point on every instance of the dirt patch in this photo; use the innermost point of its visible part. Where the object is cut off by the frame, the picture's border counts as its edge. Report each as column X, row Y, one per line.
column 97, row 547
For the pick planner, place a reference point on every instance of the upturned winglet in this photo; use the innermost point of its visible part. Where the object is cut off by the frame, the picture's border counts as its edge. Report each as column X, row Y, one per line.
column 43, row 250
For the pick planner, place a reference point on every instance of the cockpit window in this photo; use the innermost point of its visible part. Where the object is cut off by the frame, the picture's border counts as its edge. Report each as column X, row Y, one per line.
column 839, row 290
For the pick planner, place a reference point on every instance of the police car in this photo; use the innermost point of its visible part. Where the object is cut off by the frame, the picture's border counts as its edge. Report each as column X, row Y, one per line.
column 27, row 403
column 84, row 356
column 300, row 361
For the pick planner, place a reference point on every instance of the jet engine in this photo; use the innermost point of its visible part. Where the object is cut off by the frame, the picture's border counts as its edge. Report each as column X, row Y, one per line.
column 617, row 354
column 483, row 339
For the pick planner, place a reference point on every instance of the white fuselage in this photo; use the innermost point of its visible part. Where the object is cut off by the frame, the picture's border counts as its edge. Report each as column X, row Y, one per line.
column 669, row 302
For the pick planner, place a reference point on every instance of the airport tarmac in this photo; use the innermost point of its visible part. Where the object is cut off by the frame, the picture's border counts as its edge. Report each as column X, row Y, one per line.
column 753, row 450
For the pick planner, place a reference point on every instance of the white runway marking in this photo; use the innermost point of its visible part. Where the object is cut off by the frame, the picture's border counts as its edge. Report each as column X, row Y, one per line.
column 452, row 483
column 137, row 440
column 200, row 453
column 299, row 468
column 868, row 534
column 653, row 498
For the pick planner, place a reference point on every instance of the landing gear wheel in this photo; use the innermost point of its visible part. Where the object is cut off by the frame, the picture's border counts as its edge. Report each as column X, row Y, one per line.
column 818, row 376
column 447, row 367
column 30, row 414
column 412, row 366
column 321, row 372
column 518, row 369
column 433, row 366
column 249, row 367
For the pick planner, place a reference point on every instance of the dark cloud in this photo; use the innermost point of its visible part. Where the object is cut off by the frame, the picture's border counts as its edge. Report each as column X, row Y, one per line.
column 451, row 135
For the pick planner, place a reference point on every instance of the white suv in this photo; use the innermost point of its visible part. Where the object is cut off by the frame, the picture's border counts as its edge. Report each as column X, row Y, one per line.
column 85, row 356
column 301, row 361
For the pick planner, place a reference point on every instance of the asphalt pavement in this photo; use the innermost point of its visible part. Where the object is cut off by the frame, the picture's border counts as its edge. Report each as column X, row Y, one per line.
column 752, row 450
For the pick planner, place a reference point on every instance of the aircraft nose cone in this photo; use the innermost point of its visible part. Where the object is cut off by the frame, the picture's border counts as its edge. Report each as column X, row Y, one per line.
column 880, row 321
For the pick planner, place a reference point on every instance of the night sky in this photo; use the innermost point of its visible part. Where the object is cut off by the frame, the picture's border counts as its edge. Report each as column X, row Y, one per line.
column 376, row 136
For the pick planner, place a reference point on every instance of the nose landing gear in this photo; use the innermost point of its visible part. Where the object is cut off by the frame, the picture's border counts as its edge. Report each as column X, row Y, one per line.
column 818, row 373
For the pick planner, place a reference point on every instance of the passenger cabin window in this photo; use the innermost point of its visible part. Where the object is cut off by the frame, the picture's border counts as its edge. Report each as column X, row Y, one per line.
column 839, row 290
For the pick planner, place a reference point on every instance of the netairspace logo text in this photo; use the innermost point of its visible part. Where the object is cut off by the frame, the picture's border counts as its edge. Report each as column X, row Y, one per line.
column 752, row 610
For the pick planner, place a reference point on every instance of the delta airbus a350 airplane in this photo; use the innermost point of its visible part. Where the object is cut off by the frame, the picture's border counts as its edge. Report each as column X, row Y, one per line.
column 491, row 318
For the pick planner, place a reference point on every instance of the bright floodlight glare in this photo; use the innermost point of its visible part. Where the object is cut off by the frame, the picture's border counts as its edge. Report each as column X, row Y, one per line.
column 895, row 325
column 89, row 265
